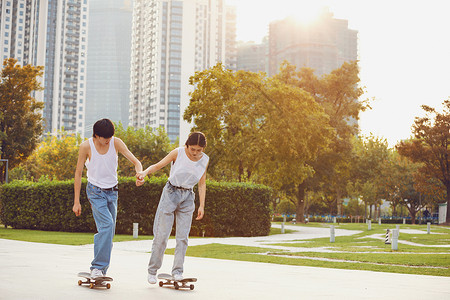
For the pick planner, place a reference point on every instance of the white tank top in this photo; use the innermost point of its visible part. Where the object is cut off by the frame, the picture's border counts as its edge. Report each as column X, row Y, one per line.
column 102, row 168
column 185, row 172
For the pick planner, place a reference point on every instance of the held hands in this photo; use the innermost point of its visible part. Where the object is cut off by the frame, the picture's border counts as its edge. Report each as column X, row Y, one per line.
column 140, row 178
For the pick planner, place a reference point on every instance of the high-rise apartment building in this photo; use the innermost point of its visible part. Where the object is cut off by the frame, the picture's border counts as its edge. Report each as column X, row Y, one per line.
column 171, row 41
column 252, row 56
column 109, row 56
column 52, row 34
column 323, row 45
column 230, row 38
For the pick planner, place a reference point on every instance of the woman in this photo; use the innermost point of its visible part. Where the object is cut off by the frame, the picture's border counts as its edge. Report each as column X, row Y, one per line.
column 188, row 168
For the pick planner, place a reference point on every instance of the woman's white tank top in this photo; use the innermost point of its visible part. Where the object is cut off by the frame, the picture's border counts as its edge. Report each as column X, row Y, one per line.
column 102, row 168
column 185, row 172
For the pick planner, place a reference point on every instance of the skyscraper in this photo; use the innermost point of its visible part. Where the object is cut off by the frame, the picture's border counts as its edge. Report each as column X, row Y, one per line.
column 171, row 40
column 252, row 56
column 52, row 34
column 323, row 45
column 109, row 56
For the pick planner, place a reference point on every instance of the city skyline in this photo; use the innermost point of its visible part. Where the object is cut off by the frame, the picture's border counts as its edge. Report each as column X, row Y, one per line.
column 403, row 53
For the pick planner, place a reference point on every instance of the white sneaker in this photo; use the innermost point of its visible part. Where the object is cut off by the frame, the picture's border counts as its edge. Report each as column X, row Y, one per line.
column 96, row 273
column 177, row 277
column 151, row 279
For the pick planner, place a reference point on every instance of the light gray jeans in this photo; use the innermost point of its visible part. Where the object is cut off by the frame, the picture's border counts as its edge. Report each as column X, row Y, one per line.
column 176, row 203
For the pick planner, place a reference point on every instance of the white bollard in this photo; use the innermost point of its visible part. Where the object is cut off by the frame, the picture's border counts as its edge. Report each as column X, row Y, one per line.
column 332, row 234
column 282, row 224
column 135, row 230
column 334, row 220
column 395, row 234
column 379, row 221
column 404, row 221
column 398, row 227
column 428, row 227
column 369, row 225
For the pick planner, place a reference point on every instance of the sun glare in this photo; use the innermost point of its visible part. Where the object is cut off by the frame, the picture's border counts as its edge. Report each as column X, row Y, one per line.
column 306, row 12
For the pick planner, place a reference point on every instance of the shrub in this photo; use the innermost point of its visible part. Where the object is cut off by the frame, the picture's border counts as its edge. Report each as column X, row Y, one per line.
column 232, row 209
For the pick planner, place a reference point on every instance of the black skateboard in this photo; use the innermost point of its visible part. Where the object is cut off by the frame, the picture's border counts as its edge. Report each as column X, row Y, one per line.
column 178, row 284
column 94, row 282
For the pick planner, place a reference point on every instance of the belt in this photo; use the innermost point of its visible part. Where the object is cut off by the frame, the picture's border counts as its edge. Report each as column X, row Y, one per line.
column 179, row 187
column 114, row 188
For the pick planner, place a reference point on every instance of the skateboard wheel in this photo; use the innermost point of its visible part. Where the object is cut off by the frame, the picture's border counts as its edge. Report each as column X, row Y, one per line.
column 161, row 283
column 191, row 287
column 175, row 284
column 108, row 286
column 80, row 282
column 91, row 285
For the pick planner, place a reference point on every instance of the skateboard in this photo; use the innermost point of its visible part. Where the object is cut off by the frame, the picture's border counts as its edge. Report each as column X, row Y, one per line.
column 178, row 284
column 97, row 282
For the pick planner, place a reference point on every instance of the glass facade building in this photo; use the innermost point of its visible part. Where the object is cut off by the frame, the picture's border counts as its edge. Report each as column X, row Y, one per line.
column 109, row 57
column 52, row 34
column 170, row 41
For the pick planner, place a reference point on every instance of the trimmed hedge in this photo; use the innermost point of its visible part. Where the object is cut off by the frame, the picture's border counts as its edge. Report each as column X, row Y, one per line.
column 232, row 209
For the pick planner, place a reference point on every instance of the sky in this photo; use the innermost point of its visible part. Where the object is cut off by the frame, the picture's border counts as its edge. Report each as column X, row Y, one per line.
column 403, row 53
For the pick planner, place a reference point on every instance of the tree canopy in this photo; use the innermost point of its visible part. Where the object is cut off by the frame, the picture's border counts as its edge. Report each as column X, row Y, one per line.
column 257, row 127
column 430, row 146
column 21, row 121
column 338, row 94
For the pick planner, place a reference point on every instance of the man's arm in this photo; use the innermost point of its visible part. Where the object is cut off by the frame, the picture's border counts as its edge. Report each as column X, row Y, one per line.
column 122, row 148
column 83, row 153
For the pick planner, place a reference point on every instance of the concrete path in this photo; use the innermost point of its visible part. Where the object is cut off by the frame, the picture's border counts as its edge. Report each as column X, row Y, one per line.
column 46, row 271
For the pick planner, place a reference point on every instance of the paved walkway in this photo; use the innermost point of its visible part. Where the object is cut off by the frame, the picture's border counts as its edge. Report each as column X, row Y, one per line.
column 46, row 271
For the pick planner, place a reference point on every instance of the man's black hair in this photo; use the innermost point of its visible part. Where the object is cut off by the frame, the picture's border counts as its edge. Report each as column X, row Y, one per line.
column 103, row 128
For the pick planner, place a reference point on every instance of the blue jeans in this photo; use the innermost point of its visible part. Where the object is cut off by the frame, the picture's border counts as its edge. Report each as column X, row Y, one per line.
column 173, row 203
column 104, row 210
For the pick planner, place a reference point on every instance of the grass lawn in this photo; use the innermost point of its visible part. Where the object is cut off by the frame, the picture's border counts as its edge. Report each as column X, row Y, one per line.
column 62, row 238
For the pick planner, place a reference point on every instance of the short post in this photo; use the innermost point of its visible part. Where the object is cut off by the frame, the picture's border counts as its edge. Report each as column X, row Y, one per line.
column 397, row 227
column 334, row 220
column 387, row 239
column 332, row 234
column 135, row 230
column 404, row 220
column 369, row 224
column 428, row 227
column 379, row 221
column 395, row 239
column 282, row 224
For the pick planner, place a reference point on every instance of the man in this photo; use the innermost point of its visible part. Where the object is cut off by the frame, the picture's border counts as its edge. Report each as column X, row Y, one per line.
column 99, row 154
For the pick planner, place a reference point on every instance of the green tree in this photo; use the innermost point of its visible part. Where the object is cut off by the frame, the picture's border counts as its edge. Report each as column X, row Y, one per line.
column 21, row 122
column 407, row 188
column 338, row 93
column 225, row 106
column 431, row 146
column 260, row 128
column 148, row 145
column 286, row 207
column 369, row 157
column 55, row 157
column 354, row 208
